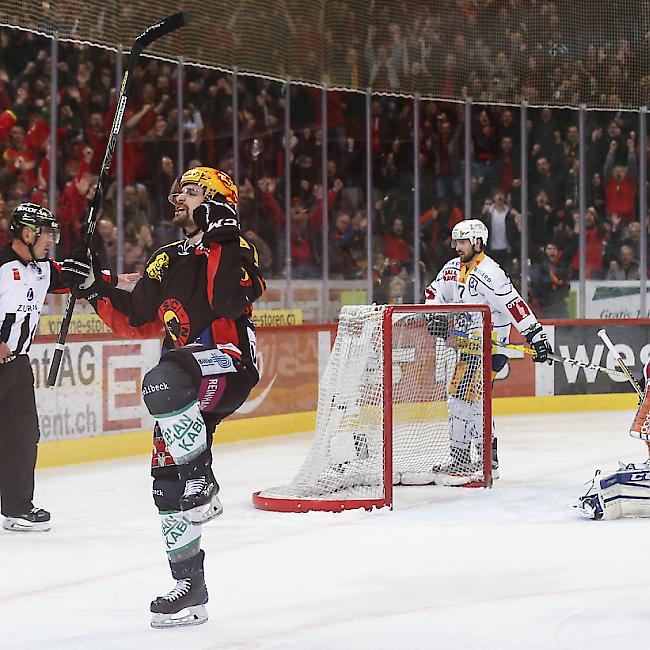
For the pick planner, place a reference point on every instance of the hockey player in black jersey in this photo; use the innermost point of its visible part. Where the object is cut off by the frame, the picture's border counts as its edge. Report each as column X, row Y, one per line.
column 200, row 292
column 26, row 276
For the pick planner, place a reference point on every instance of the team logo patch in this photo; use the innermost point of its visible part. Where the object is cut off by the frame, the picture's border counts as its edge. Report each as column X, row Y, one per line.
column 16, row 274
column 156, row 268
column 518, row 308
column 177, row 322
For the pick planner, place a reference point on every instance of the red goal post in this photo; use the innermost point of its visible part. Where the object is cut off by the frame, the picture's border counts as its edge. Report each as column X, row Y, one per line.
column 405, row 399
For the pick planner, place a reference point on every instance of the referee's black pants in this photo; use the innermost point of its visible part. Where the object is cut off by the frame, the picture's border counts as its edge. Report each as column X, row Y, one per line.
column 18, row 436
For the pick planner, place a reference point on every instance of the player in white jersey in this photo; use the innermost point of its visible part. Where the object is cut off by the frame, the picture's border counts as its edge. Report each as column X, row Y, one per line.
column 475, row 278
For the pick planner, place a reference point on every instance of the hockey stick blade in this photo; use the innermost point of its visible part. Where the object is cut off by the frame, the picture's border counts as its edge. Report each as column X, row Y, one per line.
column 159, row 29
column 148, row 36
column 555, row 357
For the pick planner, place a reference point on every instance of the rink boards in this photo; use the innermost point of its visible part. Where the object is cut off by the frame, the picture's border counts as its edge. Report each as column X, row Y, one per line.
column 96, row 411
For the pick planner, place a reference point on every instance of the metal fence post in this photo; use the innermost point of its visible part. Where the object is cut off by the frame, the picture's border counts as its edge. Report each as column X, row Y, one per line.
column 468, row 158
column 235, row 127
column 523, row 117
column 370, row 207
column 54, row 117
column 582, row 186
column 325, row 225
column 287, row 192
column 180, row 100
column 643, row 213
column 119, row 194
column 416, row 199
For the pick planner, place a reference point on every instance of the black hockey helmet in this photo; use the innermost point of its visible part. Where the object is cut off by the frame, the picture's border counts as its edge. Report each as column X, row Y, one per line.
column 35, row 217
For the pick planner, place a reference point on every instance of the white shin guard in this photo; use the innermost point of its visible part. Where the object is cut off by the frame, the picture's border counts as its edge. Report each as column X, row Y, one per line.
column 184, row 432
column 181, row 536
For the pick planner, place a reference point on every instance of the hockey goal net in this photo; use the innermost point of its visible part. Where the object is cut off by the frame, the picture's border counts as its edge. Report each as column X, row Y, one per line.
column 405, row 399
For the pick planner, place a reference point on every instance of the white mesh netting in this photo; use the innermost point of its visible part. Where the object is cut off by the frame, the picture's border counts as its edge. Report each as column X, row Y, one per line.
column 435, row 403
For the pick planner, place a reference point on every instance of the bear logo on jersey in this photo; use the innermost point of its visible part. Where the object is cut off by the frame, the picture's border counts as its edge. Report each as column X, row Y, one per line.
column 156, row 268
column 177, row 322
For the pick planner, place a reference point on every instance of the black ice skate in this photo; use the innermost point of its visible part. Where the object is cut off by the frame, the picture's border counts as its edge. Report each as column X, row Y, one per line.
column 200, row 501
column 36, row 520
column 183, row 605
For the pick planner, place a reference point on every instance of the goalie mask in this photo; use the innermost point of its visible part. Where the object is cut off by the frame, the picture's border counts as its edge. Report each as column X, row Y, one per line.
column 36, row 218
column 213, row 181
column 472, row 229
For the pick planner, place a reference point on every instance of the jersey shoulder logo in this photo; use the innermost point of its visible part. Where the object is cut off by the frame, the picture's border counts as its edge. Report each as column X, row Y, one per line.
column 157, row 267
column 429, row 293
column 449, row 275
column 518, row 308
column 16, row 273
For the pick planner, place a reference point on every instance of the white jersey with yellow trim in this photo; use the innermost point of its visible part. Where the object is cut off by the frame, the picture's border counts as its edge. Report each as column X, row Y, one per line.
column 483, row 281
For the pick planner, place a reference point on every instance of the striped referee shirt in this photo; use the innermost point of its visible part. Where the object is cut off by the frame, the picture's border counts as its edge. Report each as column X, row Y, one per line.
column 23, row 288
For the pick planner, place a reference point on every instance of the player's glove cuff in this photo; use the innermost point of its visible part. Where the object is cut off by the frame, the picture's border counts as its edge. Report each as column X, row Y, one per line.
column 98, row 283
column 218, row 220
column 536, row 337
column 75, row 270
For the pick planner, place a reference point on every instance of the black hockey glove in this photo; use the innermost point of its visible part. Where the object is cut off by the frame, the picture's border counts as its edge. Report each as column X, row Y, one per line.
column 75, row 270
column 437, row 325
column 536, row 337
column 96, row 284
column 217, row 219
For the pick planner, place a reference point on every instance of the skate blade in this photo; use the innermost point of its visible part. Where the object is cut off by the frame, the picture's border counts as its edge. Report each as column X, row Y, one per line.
column 20, row 526
column 188, row 616
column 203, row 514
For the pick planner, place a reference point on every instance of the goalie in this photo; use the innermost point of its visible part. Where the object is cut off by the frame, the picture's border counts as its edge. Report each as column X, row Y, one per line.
column 626, row 492
column 475, row 278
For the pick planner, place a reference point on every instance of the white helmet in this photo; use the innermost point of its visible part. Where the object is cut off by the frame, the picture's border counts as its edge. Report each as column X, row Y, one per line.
column 470, row 229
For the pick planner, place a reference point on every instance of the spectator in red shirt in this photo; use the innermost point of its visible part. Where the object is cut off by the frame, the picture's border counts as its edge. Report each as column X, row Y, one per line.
column 18, row 161
column 303, row 244
column 620, row 182
column 594, row 239
column 396, row 248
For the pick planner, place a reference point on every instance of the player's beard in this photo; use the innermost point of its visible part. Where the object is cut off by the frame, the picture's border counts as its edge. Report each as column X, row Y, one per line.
column 183, row 219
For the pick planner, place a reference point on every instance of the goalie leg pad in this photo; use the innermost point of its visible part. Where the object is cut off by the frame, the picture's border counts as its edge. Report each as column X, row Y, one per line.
column 466, row 382
column 465, row 422
column 626, row 493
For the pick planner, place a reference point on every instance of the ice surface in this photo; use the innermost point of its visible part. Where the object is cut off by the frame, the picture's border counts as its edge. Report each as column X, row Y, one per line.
column 449, row 568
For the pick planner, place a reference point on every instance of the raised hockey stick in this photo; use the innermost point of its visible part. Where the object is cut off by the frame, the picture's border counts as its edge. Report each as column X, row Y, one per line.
column 602, row 333
column 555, row 357
column 148, row 36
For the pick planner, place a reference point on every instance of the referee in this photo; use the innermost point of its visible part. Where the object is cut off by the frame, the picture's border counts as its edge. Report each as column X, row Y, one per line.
column 26, row 276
